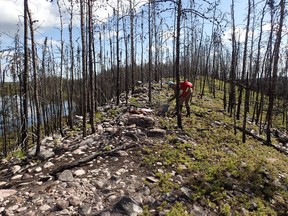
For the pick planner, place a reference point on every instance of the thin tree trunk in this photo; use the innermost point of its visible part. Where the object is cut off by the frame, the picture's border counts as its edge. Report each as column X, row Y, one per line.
column 24, row 87
column 142, row 47
column 84, row 68
column 91, row 74
column 3, row 107
column 70, row 88
column 36, row 88
column 156, row 46
column 44, row 89
column 276, row 53
column 118, row 57
column 257, row 67
column 232, row 99
column 150, row 52
column 132, row 46
column 126, row 63
column 177, row 62
column 246, row 102
column 244, row 63
column 60, row 109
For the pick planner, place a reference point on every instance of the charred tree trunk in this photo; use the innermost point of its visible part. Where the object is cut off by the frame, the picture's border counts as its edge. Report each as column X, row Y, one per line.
column 150, row 52
column 84, row 68
column 232, row 99
column 257, row 68
column 177, row 62
column 244, row 62
column 276, row 54
column 24, row 86
column 246, row 102
column 3, row 128
column 71, row 81
column 117, row 56
column 126, row 73
column 36, row 87
column 91, row 74
column 60, row 100
column 132, row 46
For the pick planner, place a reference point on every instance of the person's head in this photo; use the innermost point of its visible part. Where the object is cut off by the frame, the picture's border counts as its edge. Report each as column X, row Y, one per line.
column 171, row 84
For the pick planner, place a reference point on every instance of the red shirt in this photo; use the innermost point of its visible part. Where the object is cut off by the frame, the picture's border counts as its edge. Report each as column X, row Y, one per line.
column 185, row 86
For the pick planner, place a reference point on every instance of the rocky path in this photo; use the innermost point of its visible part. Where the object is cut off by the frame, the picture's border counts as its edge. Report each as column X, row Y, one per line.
column 101, row 174
column 109, row 179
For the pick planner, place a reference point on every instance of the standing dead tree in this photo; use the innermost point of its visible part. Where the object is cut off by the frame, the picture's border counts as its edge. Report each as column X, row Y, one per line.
column 90, row 64
column 36, row 86
column 232, row 96
column 276, row 54
column 84, row 67
column 24, row 84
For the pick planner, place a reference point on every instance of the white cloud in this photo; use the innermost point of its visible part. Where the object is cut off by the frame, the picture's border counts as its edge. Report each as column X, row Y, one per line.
column 12, row 11
column 239, row 34
column 47, row 15
column 45, row 12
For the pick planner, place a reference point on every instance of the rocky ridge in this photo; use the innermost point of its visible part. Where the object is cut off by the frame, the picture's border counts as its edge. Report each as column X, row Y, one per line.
column 101, row 174
column 110, row 179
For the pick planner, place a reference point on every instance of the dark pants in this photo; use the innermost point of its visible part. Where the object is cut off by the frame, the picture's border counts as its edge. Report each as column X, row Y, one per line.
column 185, row 100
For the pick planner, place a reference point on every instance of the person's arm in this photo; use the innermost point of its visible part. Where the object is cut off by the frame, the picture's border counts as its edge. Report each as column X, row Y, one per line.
column 174, row 96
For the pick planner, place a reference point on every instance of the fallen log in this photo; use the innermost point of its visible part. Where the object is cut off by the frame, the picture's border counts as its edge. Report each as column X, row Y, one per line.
column 263, row 141
column 84, row 160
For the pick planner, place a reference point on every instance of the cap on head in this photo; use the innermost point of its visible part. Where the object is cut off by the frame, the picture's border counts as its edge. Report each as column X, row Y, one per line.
column 170, row 83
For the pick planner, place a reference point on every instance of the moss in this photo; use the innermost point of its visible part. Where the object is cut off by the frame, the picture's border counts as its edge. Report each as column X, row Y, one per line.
column 178, row 209
column 146, row 211
column 223, row 173
column 225, row 209
column 18, row 153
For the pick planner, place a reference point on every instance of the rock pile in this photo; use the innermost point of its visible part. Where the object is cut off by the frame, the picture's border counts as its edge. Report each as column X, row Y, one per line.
column 102, row 174
column 97, row 175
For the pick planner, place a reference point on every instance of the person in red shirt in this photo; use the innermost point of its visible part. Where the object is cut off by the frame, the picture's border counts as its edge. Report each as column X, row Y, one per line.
column 185, row 94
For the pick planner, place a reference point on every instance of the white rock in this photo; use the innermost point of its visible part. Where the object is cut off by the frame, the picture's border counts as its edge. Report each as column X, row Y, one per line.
column 22, row 209
column 6, row 192
column 4, row 160
column 66, row 176
column 78, row 152
column 2, row 183
column 112, row 198
column 13, row 208
column 16, row 177
column 48, row 165
column 152, row 179
column 16, row 168
column 44, row 207
column 122, row 153
column 79, row 172
column 100, row 183
column 120, row 171
column 38, row 169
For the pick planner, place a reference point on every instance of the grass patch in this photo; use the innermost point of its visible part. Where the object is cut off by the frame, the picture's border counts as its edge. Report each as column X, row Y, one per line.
column 223, row 174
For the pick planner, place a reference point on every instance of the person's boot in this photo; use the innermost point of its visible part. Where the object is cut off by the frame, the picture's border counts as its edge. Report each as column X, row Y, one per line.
column 188, row 111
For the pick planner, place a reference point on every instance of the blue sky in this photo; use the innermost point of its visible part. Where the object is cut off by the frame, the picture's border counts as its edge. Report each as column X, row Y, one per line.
column 11, row 19
column 48, row 21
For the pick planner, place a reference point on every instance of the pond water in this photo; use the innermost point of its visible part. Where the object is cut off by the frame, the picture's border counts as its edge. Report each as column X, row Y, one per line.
column 10, row 109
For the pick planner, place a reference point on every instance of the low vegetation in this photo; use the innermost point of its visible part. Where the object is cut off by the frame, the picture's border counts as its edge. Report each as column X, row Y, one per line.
column 219, row 171
column 222, row 173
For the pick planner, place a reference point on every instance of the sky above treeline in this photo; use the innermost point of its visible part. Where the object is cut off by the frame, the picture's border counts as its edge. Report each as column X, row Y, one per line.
column 46, row 13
